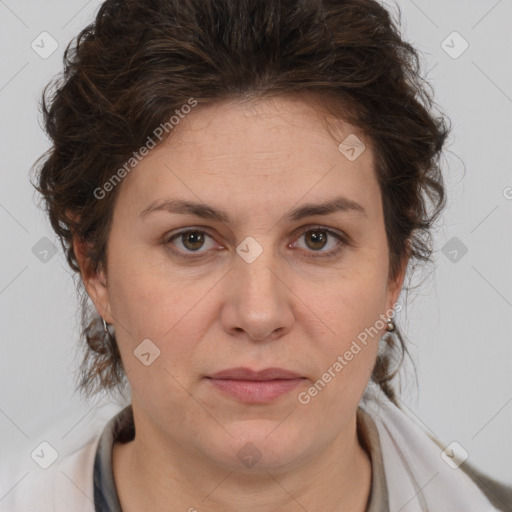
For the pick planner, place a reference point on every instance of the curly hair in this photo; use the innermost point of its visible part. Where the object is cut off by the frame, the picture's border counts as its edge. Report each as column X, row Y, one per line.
column 141, row 60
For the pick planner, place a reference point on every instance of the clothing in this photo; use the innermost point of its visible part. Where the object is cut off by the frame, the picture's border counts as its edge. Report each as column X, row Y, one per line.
column 121, row 428
column 408, row 473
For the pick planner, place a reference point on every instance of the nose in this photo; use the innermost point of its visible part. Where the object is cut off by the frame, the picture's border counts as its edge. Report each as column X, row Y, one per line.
column 258, row 301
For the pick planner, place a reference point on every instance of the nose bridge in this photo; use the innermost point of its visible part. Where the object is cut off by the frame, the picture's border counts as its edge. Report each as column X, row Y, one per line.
column 255, row 268
column 257, row 299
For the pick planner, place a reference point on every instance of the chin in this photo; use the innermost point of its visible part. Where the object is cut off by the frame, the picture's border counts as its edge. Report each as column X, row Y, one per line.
column 258, row 445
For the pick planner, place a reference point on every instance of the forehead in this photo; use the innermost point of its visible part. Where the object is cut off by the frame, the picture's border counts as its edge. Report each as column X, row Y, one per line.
column 273, row 150
column 294, row 125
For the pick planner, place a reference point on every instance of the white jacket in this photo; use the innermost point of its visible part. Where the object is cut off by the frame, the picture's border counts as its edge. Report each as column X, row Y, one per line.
column 421, row 473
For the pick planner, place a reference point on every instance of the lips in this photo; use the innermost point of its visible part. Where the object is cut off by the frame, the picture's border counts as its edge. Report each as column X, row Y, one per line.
column 255, row 387
column 243, row 373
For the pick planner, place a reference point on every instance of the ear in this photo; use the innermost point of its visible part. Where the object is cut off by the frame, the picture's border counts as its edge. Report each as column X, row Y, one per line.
column 95, row 282
column 395, row 286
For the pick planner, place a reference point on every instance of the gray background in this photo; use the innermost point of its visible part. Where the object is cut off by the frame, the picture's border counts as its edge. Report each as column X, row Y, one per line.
column 458, row 321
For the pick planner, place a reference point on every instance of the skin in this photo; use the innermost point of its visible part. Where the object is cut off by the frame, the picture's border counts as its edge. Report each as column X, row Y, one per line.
column 256, row 161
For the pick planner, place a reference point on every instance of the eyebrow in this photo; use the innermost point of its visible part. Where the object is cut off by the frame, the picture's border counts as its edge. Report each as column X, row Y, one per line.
column 205, row 211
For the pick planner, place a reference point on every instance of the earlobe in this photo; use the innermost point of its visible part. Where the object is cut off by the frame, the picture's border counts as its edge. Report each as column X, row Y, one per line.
column 95, row 282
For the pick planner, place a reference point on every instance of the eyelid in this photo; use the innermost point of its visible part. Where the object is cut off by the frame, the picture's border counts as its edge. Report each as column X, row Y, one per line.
column 167, row 239
column 342, row 238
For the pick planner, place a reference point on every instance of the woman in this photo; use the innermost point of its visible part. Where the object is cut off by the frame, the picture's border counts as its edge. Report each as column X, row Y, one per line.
column 242, row 186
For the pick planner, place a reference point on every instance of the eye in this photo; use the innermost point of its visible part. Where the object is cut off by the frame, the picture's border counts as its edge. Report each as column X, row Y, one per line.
column 190, row 241
column 318, row 238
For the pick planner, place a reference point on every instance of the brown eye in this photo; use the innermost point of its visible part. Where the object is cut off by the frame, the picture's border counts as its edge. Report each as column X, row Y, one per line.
column 186, row 243
column 316, row 239
column 192, row 240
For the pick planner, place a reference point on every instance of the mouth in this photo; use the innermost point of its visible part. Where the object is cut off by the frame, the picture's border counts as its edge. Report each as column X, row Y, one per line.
column 252, row 386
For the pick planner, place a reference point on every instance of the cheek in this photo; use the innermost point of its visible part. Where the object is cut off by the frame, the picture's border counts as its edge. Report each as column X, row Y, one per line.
column 150, row 304
column 346, row 326
column 160, row 320
column 345, row 346
column 349, row 303
column 143, row 296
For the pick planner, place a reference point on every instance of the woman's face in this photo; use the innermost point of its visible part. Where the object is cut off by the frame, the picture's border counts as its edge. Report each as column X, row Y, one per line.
column 253, row 286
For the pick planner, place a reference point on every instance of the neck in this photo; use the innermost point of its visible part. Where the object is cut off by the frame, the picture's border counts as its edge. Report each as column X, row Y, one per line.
column 149, row 477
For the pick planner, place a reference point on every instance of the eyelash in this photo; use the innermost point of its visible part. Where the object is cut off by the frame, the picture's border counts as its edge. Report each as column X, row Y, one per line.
column 323, row 254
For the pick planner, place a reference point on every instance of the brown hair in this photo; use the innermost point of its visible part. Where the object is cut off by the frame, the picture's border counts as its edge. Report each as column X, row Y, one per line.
column 141, row 60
